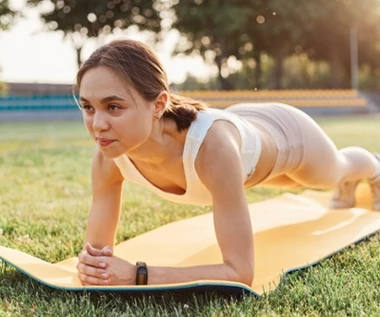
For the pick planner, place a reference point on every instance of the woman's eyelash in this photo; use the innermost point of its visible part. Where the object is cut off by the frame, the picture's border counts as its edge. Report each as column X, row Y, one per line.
column 110, row 107
column 114, row 106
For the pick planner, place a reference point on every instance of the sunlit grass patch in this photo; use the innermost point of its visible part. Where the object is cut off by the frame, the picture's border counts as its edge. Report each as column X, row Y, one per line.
column 45, row 197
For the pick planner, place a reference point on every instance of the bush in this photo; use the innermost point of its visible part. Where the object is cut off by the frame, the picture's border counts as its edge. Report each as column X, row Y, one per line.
column 3, row 88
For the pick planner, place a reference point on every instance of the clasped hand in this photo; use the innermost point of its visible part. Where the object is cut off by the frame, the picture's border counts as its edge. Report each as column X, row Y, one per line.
column 101, row 267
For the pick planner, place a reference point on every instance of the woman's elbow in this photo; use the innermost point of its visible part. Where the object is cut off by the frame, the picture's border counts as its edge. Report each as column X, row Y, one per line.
column 246, row 277
column 242, row 274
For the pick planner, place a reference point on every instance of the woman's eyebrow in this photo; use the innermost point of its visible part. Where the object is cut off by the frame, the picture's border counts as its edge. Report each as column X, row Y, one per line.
column 105, row 99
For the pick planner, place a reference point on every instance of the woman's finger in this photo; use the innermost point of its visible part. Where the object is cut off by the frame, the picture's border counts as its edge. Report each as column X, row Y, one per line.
column 107, row 251
column 93, row 251
column 96, row 261
column 92, row 271
column 91, row 280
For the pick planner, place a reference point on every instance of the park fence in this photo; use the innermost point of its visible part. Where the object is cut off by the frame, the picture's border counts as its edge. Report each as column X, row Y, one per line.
column 313, row 102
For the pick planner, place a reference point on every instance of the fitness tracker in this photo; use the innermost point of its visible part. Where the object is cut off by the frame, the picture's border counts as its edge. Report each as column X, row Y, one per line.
column 141, row 273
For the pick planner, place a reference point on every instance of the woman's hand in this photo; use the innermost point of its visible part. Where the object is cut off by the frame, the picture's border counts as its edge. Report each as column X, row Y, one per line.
column 100, row 267
column 106, row 251
column 92, row 271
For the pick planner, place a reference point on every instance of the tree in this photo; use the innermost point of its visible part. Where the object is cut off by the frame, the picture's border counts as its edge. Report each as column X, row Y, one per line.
column 245, row 29
column 80, row 20
column 6, row 15
column 329, row 38
column 278, row 27
column 214, row 30
column 6, row 19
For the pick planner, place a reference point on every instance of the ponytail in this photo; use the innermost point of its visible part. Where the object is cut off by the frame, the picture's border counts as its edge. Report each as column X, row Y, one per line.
column 183, row 110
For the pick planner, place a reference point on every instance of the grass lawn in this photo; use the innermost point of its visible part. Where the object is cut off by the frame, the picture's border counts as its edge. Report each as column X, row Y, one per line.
column 44, row 202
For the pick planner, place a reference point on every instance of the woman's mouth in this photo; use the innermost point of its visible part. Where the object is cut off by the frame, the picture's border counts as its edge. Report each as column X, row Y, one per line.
column 104, row 142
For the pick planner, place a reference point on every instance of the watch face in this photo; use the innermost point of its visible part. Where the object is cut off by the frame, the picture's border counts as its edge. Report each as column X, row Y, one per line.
column 141, row 274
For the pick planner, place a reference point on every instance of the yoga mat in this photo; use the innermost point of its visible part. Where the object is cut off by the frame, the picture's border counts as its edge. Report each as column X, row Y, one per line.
column 290, row 232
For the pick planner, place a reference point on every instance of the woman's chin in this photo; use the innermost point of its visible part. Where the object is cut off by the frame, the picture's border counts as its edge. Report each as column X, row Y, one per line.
column 111, row 153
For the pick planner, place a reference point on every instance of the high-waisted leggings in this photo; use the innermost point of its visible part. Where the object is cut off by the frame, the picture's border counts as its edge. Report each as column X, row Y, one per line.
column 306, row 156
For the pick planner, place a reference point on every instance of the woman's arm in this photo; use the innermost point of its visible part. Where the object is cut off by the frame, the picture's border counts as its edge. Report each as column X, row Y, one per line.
column 107, row 183
column 219, row 168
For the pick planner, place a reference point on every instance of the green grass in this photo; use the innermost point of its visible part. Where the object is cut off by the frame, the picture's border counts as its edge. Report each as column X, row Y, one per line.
column 44, row 202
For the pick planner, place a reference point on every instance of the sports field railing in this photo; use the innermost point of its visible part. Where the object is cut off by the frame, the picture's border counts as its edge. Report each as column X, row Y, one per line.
column 306, row 99
column 37, row 103
column 345, row 98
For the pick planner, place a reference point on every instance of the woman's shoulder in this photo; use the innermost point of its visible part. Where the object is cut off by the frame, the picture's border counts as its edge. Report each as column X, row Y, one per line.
column 105, row 166
column 222, row 132
column 210, row 118
column 219, row 150
column 221, row 136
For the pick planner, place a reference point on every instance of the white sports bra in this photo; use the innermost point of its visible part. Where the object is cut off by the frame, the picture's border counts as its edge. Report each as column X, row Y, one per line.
column 196, row 193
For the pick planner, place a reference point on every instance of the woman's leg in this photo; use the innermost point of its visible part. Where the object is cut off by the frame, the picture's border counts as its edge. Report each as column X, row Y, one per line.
column 308, row 157
column 374, row 182
column 324, row 166
column 343, row 170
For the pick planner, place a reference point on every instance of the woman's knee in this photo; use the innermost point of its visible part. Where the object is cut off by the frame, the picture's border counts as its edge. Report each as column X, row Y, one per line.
column 324, row 174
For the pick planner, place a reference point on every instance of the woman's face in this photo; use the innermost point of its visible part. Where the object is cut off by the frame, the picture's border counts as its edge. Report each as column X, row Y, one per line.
column 119, row 119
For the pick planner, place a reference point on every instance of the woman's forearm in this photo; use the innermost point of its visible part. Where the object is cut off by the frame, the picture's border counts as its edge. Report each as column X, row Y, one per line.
column 225, row 272
column 95, row 267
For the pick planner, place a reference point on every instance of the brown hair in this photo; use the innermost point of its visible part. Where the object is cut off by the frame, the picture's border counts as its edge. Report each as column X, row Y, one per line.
column 140, row 67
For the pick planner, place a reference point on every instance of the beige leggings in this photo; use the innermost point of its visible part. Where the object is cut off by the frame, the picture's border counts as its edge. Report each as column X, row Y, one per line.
column 306, row 155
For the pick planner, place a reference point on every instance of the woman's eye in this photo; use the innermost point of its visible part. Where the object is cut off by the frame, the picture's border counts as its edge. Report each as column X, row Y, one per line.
column 113, row 107
column 87, row 108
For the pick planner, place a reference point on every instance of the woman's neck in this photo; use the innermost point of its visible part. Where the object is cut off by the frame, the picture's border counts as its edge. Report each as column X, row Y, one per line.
column 164, row 144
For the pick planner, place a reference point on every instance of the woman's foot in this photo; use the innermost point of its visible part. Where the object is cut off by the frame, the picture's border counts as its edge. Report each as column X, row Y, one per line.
column 344, row 195
column 374, row 183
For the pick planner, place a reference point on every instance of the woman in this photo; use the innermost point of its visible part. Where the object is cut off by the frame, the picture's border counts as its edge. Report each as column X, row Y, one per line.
column 188, row 153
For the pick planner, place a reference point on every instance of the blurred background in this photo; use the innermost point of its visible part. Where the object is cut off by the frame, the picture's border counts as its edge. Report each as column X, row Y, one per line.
column 317, row 54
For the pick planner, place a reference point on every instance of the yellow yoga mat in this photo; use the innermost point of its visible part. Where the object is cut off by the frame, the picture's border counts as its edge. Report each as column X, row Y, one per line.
column 290, row 232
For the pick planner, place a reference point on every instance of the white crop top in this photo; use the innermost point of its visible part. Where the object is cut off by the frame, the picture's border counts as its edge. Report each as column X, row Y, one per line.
column 196, row 193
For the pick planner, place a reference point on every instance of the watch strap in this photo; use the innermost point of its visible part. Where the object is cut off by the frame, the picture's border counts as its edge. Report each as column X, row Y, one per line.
column 141, row 273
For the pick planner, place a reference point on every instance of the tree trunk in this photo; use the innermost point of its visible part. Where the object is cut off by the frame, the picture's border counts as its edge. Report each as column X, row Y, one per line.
column 223, row 83
column 79, row 60
column 258, row 70
column 277, row 72
column 336, row 68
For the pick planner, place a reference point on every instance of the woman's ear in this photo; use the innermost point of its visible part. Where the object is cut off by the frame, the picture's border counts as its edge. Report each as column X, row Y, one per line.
column 160, row 104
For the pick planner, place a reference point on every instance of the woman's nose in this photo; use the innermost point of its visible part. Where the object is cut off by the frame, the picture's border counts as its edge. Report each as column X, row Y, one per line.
column 100, row 122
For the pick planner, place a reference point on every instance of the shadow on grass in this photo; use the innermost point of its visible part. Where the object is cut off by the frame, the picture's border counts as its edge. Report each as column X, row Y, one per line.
column 15, row 286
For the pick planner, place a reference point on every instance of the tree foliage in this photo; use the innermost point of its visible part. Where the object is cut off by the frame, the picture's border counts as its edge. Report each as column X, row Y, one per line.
column 318, row 28
column 219, row 30
column 84, row 19
column 213, row 28
column 243, row 29
column 329, row 39
column 6, row 15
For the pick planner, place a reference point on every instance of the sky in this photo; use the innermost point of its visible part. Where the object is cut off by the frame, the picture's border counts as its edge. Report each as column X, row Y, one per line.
column 30, row 54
